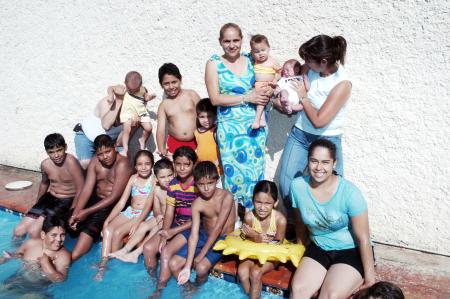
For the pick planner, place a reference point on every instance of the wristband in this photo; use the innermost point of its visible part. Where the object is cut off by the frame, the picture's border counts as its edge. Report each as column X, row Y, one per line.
column 245, row 98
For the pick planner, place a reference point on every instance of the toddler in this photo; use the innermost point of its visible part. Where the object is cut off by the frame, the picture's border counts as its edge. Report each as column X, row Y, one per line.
column 267, row 72
column 288, row 96
column 134, row 104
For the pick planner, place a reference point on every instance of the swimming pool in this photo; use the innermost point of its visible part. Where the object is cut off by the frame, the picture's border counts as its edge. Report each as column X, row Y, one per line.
column 122, row 280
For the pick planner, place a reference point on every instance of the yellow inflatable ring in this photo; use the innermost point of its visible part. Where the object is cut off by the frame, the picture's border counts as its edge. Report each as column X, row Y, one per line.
column 261, row 251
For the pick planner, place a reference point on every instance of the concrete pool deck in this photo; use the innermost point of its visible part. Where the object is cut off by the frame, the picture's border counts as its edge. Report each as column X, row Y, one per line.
column 419, row 274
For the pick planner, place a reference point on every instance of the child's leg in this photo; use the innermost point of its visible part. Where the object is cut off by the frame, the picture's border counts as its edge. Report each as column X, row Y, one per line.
column 34, row 230
column 137, row 237
column 202, row 270
column 22, row 228
column 244, row 274
column 284, row 100
column 168, row 262
column 151, row 248
column 146, row 131
column 120, row 233
column 108, row 233
column 126, row 137
column 256, row 273
column 258, row 117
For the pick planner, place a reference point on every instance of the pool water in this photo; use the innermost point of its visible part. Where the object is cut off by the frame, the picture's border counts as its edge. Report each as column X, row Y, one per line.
column 121, row 280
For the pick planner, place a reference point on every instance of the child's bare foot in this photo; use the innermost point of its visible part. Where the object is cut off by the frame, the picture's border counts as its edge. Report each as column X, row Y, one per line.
column 119, row 253
column 255, row 125
column 101, row 269
column 131, row 257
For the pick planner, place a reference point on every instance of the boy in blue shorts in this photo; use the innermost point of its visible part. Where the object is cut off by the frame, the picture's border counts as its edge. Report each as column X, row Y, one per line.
column 213, row 217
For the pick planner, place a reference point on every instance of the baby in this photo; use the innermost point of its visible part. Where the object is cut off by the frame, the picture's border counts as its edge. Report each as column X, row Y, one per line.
column 134, row 105
column 288, row 96
column 267, row 72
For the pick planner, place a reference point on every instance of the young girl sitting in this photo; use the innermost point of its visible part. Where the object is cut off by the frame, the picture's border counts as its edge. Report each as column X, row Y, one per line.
column 119, row 224
column 134, row 105
column 163, row 171
column 263, row 224
column 205, row 135
column 267, row 72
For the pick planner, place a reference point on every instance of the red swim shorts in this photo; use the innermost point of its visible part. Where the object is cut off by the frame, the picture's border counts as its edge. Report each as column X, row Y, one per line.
column 173, row 144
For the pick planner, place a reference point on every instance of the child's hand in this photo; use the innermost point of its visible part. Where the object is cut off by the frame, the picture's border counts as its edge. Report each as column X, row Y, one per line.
column 251, row 233
column 149, row 96
column 159, row 219
column 184, row 275
column 162, row 243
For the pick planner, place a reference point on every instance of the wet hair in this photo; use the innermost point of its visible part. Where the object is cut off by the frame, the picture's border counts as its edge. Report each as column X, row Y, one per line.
column 320, row 47
column 268, row 187
column 131, row 76
column 164, row 163
column 227, row 26
column 259, row 38
column 168, row 69
column 381, row 290
column 144, row 153
column 103, row 141
column 205, row 105
column 52, row 221
column 54, row 140
column 323, row 143
column 297, row 65
column 205, row 169
column 185, row 151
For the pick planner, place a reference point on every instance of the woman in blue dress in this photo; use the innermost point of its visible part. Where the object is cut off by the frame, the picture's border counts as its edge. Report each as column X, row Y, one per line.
column 229, row 79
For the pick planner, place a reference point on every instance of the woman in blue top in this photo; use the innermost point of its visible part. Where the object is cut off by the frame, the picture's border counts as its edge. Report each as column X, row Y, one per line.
column 229, row 79
column 324, row 96
column 339, row 257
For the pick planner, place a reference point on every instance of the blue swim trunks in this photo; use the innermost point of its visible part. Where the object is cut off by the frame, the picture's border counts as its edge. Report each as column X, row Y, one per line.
column 212, row 256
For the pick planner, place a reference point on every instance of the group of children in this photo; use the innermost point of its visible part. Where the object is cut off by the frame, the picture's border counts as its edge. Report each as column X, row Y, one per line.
column 176, row 211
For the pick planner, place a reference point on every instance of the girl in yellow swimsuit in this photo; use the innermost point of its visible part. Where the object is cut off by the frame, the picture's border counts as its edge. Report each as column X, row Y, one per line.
column 263, row 224
column 267, row 72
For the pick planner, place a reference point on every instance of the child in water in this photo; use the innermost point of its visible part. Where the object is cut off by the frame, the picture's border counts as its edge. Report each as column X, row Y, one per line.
column 263, row 224
column 267, row 72
column 205, row 135
column 134, row 104
column 119, row 224
column 163, row 171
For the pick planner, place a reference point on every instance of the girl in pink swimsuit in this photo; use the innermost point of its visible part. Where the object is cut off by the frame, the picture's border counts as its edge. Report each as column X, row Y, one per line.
column 120, row 223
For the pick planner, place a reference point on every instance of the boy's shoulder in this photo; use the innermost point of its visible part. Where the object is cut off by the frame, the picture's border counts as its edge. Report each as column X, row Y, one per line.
column 63, row 254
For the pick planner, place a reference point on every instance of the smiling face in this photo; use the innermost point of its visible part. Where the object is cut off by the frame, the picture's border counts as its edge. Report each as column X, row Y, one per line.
column 206, row 120
column 54, row 238
column 321, row 164
column 106, row 155
column 263, row 204
column 144, row 166
column 171, row 86
column 206, row 186
column 57, row 154
column 164, row 176
column 260, row 52
column 183, row 167
column 231, row 42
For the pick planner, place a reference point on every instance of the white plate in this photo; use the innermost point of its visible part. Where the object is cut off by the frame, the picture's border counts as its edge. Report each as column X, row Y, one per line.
column 18, row 185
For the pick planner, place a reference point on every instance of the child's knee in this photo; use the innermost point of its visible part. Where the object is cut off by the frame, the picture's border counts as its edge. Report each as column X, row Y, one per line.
column 256, row 275
column 202, row 269
column 149, row 247
column 20, row 229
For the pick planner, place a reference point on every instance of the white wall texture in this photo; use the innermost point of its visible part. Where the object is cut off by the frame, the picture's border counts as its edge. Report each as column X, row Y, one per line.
column 58, row 57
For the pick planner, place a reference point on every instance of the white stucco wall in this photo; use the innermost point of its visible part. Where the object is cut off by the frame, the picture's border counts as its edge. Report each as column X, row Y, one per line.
column 58, row 57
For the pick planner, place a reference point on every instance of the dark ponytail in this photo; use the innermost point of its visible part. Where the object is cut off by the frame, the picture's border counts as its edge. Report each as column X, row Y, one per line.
column 321, row 47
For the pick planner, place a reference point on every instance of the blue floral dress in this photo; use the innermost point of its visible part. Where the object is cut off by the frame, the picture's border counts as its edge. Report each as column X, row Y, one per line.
column 241, row 148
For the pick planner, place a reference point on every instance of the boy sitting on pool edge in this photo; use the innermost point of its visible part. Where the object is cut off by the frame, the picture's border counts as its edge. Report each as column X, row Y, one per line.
column 213, row 217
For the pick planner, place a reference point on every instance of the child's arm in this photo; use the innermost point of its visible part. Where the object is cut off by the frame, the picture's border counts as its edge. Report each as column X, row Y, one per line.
column 147, row 208
column 227, row 205
column 122, row 201
column 86, row 193
column 184, row 274
column 148, row 96
column 56, row 269
column 77, row 176
column 17, row 254
column 281, row 226
column 45, row 182
column 161, row 130
column 247, row 229
column 277, row 67
column 301, row 230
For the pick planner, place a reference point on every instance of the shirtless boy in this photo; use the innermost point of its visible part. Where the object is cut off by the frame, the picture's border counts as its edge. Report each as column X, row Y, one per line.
column 177, row 111
column 108, row 174
column 47, row 251
column 213, row 217
column 61, row 183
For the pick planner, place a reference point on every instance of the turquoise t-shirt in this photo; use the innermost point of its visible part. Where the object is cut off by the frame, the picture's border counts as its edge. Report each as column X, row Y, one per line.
column 329, row 223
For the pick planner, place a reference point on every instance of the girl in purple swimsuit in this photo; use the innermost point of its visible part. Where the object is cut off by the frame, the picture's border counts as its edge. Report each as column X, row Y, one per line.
column 121, row 223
